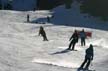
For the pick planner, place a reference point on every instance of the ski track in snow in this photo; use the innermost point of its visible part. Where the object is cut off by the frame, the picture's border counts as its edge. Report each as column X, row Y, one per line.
column 57, row 63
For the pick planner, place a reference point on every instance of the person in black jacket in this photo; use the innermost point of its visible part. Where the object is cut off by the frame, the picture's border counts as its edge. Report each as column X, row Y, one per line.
column 28, row 18
column 88, row 57
column 74, row 40
column 42, row 33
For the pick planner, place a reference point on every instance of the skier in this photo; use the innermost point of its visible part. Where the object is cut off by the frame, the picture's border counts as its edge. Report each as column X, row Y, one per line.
column 42, row 33
column 88, row 57
column 48, row 19
column 74, row 40
column 83, row 37
column 28, row 18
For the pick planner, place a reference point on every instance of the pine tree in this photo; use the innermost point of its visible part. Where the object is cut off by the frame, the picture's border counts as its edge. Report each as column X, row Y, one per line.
column 96, row 8
column 0, row 5
column 68, row 4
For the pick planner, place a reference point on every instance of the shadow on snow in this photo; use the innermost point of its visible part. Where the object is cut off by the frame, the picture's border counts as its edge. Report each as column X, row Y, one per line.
column 61, row 52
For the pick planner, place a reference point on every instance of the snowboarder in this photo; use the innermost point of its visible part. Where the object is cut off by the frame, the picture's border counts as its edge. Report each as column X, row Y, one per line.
column 42, row 33
column 88, row 58
column 74, row 40
column 28, row 18
column 83, row 37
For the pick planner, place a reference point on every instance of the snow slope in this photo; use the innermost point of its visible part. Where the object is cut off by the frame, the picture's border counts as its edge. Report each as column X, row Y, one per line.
column 21, row 49
column 21, row 16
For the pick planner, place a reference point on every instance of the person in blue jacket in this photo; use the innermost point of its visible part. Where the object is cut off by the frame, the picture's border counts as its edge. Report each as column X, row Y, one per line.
column 83, row 37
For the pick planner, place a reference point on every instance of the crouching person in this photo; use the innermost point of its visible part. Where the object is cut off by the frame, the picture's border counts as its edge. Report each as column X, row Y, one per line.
column 42, row 33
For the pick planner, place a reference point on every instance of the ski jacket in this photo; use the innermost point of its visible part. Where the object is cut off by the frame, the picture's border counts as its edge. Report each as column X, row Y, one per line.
column 82, row 34
column 89, row 53
column 74, row 37
column 42, row 32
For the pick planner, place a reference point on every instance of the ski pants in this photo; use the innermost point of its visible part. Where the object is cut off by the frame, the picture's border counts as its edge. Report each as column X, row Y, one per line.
column 87, row 61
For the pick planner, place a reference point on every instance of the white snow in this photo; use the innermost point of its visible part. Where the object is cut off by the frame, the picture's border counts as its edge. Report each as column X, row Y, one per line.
column 21, row 49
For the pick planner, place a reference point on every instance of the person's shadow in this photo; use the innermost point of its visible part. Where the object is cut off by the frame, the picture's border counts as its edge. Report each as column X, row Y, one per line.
column 80, row 69
column 61, row 52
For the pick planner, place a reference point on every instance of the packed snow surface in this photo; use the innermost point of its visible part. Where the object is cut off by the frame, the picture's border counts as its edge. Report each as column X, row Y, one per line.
column 21, row 49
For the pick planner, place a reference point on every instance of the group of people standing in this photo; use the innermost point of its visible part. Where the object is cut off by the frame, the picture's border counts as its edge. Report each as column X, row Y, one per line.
column 73, row 40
